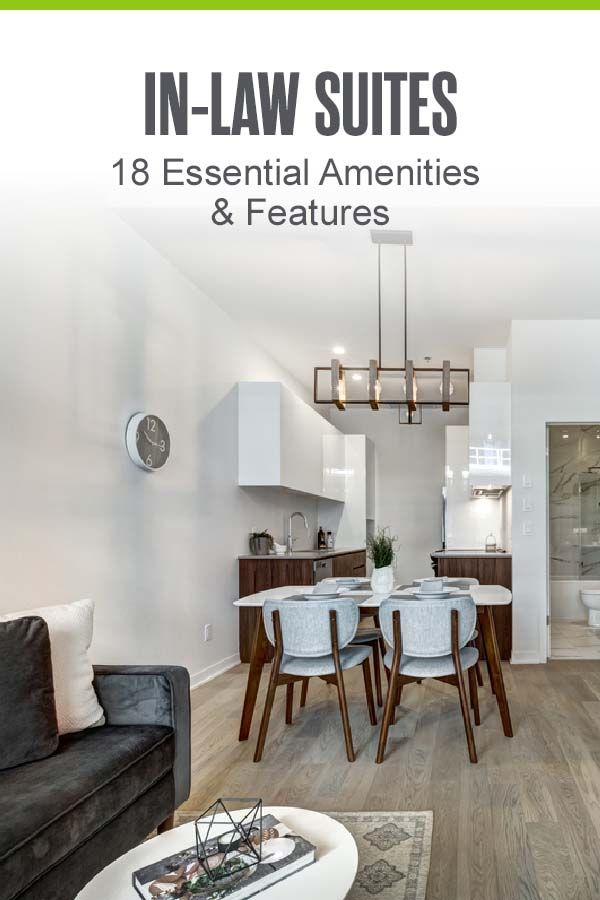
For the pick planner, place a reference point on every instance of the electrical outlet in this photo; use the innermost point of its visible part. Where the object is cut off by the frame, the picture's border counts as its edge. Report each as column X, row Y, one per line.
column 527, row 527
column 527, row 504
column 208, row 633
column 526, row 481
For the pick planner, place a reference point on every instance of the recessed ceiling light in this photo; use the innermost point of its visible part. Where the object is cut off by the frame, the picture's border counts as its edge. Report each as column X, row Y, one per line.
column 565, row 436
column 357, row 377
column 338, row 349
column 490, row 437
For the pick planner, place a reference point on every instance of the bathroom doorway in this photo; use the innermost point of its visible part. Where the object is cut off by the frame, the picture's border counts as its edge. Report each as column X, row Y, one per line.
column 574, row 540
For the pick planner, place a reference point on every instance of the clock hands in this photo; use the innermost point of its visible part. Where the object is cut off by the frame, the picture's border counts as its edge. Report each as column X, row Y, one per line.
column 149, row 439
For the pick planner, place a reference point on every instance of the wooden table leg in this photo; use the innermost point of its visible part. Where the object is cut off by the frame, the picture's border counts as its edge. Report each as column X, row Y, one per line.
column 486, row 621
column 259, row 657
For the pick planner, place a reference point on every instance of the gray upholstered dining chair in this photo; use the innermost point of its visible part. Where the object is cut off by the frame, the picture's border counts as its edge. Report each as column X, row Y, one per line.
column 312, row 639
column 429, row 639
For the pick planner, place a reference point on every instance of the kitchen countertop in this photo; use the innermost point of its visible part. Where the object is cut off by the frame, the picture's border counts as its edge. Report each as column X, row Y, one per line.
column 502, row 554
column 306, row 554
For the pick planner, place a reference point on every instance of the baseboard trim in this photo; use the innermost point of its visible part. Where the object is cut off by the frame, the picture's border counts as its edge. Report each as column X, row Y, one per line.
column 210, row 672
column 525, row 659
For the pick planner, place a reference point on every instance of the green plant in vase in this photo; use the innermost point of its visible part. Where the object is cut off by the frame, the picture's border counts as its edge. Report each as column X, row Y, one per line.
column 380, row 550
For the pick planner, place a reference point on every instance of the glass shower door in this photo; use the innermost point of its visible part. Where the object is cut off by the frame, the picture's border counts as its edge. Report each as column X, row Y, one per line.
column 589, row 525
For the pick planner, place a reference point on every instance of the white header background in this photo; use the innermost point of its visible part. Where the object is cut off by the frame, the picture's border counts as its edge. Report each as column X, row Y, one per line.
column 72, row 99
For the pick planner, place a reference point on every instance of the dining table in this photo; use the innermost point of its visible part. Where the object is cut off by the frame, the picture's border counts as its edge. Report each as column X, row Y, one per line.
column 485, row 596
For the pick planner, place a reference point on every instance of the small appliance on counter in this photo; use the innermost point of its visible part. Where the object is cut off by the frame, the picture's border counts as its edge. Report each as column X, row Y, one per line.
column 321, row 539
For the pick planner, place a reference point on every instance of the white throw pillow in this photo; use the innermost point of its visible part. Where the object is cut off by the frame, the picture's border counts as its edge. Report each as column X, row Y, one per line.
column 70, row 627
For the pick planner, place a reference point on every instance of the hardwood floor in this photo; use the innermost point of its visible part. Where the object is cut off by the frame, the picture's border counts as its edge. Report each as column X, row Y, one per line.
column 522, row 824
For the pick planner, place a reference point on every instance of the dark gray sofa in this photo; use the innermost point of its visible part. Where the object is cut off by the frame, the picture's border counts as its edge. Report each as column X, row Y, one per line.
column 66, row 817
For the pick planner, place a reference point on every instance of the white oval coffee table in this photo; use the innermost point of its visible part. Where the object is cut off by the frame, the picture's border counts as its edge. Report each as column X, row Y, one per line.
column 331, row 876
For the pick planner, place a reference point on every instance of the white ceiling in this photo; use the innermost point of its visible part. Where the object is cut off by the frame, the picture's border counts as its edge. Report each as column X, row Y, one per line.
column 298, row 293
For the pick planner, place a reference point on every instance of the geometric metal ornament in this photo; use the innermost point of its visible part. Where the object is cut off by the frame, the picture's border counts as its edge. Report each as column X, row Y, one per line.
column 225, row 847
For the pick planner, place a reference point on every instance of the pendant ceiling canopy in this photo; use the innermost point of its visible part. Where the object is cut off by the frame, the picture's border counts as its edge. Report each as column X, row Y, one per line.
column 407, row 387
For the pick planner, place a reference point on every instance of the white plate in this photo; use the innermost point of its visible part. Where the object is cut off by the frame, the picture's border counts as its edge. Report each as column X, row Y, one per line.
column 417, row 581
column 434, row 595
column 333, row 596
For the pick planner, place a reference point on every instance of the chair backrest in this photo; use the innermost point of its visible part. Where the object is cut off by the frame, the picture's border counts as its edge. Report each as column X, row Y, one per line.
column 425, row 625
column 306, row 627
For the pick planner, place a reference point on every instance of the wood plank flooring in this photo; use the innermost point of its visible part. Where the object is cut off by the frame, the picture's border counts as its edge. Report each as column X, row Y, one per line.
column 522, row 824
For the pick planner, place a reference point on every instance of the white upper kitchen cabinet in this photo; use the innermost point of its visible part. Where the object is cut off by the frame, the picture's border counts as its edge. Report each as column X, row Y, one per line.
column 283, row 442
column 489, row 434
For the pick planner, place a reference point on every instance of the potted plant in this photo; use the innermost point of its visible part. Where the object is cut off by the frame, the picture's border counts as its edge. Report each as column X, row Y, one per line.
column 380, row 549
column 261, row 543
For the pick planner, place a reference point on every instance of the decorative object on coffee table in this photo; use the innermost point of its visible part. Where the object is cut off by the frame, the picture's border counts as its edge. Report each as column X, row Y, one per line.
column 380, row 550
column 331, row 876
column 242, row 840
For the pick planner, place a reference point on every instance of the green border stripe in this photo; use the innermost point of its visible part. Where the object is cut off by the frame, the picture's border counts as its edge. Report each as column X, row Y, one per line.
column 305, row 4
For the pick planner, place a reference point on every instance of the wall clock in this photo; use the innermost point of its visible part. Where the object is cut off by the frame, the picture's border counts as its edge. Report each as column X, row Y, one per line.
column 148, row 441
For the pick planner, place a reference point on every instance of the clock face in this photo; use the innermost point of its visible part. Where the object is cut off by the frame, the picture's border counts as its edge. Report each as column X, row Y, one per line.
column 148, row 441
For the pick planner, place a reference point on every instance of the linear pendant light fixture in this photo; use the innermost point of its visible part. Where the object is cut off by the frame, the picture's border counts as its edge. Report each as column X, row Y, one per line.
column 409, row 388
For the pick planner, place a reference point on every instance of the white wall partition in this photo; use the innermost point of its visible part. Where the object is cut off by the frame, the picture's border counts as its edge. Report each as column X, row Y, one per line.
column 554, row 369
column 96, row 325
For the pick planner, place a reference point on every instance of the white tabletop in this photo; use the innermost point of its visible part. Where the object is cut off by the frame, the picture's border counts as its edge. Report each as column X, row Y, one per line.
column 482, row 594
column 331, row 876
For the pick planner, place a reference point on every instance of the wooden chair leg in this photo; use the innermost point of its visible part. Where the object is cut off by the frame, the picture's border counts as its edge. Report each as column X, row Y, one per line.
column 369, row 691
column 480, row 644
column 478, row 674
column 289, row 703
column 377, row 672
column 388, row 714
column 382, row 647
column 304, row 692
column 462, row 694
column 398, row 693
column 474, row 694
column 264, row 723
column 339, row 681
column 466, row 718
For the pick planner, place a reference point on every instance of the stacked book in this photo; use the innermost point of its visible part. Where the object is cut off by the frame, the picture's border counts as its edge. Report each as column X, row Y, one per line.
column 234, row 876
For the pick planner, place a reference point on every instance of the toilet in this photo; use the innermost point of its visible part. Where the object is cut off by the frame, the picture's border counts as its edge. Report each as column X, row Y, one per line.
column 591, row 599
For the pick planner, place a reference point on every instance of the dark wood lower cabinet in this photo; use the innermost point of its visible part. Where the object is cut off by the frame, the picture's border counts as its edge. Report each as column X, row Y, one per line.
column 262, row 574
column 487, row 570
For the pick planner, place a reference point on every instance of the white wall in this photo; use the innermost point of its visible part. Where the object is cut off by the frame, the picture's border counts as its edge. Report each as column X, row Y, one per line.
column 554, row 368
column 409, row 478
column 96, row 326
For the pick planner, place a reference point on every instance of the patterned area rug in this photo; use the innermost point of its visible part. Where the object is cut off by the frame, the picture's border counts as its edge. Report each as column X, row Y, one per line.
column 393, row 853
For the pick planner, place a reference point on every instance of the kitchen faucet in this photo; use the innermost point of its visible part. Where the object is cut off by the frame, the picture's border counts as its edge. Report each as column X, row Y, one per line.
column 289, row 543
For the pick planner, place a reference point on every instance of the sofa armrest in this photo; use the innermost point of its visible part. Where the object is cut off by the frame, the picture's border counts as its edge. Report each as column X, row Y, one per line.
column 151, row 695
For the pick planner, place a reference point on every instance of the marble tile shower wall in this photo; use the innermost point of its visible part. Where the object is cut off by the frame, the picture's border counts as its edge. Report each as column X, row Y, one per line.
column 575, row 502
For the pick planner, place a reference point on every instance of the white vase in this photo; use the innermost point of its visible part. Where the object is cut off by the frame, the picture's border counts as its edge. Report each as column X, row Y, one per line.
column 382, row 580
